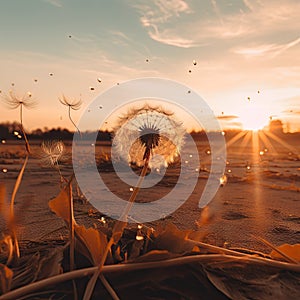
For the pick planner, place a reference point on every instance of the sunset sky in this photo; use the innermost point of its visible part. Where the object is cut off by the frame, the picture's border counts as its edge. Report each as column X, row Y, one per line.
column 247, row 54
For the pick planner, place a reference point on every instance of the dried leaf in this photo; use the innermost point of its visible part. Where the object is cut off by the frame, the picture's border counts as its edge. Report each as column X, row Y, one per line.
column 292, row 251
column 6, row 275
column 61, row 204
column 172, row 239
column 92, row 243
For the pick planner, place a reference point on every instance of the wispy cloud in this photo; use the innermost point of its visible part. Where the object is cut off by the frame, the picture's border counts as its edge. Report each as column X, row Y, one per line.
column 269, row 50
column 56, row 3
column 186, row 25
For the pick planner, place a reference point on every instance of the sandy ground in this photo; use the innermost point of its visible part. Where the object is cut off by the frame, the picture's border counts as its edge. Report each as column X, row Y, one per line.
column 239, row 211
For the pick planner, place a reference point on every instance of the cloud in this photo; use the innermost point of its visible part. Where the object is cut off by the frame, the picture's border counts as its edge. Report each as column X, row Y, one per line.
column 271, row 50
column 185, row 25
column 56, row 3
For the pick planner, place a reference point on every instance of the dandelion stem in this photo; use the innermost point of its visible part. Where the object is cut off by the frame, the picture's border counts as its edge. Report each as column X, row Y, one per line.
column 70, row 118
column 23, row 131
column 91, row 284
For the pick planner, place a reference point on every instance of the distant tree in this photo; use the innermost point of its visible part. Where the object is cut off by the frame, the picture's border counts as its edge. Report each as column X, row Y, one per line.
column 276, row 126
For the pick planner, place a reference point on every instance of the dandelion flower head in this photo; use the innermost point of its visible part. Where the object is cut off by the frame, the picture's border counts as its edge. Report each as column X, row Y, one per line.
column 148, row 132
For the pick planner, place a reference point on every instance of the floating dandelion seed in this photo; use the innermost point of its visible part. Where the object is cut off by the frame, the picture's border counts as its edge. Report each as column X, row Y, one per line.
column 13, row 101
column 148, row 130
column 223, row 180
column 72, row 105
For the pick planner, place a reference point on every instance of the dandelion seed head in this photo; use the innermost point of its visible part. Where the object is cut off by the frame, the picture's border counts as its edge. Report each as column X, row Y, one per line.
column 72, row 103
column 13, row 101
column 53, row 152
column 149, row 130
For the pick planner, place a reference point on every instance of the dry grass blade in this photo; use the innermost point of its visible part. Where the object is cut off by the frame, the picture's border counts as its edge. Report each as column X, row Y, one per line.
column 62, row 206
column 6, row 276
column 12, row 202
column 122, row 268
column 109, row 288
column 284, row 255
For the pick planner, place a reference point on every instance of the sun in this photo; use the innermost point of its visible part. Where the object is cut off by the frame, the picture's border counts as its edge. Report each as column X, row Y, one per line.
column 254, row 116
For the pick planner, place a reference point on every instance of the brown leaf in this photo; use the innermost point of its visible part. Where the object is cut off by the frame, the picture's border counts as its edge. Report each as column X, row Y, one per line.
column 61, row 204
column 172, row 239
column 292, row 251
column 92, row 243
column 6, row 276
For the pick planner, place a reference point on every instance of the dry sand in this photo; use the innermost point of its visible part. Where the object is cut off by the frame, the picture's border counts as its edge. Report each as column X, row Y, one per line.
column 239, row 210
